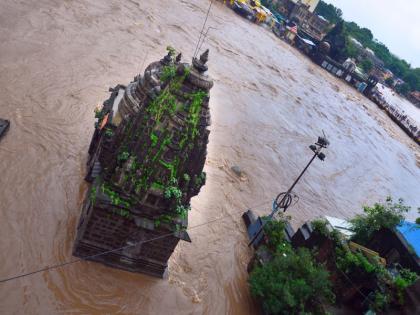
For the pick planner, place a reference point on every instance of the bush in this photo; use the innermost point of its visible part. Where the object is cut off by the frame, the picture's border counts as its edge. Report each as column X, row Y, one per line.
column 405, row 279
column 291, row 283
column 274, row 230
column 387, row 215
column 350, row 262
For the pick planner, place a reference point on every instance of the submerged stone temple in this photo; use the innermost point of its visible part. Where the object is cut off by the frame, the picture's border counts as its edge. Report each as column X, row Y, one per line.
column 146, row 162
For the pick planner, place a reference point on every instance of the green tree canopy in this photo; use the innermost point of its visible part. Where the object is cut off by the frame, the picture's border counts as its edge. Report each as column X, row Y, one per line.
column 342, row 48
column 387, row 215
column 328, row 11
column 403, row 88
column 366, row 65
column 389, row 81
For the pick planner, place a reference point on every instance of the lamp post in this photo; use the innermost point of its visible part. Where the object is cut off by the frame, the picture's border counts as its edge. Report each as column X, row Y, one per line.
column 284, row 199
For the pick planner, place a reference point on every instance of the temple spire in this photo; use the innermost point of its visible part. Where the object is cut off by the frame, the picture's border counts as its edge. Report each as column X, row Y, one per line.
column 200, row 64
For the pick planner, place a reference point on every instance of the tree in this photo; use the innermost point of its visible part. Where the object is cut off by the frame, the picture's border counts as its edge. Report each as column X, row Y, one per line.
column 337, row 38
column 389, row 81
column 328, row 11
column 403, row 89
column 366, row 65
column 291, row 283
column 351, row 49
column 387, row 215
column 412, row 80
column 341, row 48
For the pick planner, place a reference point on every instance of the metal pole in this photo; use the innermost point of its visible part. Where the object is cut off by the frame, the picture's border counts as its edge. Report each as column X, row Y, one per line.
column 285, row 196
column 304, row 170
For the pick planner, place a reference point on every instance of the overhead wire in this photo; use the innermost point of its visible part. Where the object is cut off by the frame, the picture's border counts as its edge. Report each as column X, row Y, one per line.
column 285, row 202
column 200, row 42
column 63, row 264
column 205, row 36
column 202, row 29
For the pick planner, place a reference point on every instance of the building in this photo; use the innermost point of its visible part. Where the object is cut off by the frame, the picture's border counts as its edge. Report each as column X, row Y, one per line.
column 349, row 65
column 356, row 43
column 311, row 4
column 369, row 54
column 285, row 7
column 414, row 97
column 145, row 163
column 299, row 12
column 399, row 246
column 382, row 74
column 313, row 25
column 388, row 74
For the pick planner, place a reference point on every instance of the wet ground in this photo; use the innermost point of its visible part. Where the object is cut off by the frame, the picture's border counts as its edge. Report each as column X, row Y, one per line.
column 269, row 102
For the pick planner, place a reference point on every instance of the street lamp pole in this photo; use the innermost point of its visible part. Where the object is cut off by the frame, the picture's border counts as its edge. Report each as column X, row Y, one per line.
column 283, row 204
column 284, row 199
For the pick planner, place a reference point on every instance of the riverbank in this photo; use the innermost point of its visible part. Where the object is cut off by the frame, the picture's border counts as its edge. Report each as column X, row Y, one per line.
column 268, row 104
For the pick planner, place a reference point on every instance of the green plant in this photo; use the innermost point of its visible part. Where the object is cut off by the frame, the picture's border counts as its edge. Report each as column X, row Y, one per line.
column 157, row 223
column 167, row 102
column 114, row 197
column 99, row 113
column 123, row 156
column 171, row 166
column 92, row 195
column 274, row 230
column 157, row 186
column 380, row 301
column 348, row 261
column 200, row 179
column 182, row 211
column 320, row 226
column 171, row 50
column 291, row 283
column 109, row 132
column 387, row 215
column 154, row 138
column 405, row 279
column 122, row 212
column 168, row 73
column 172, row 192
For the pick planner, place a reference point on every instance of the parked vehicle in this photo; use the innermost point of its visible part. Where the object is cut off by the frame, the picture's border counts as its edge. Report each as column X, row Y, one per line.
column 243, row 8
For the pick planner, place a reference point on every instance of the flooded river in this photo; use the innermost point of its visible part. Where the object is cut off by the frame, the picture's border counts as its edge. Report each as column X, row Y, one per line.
column 402, row 104
column 269, row 102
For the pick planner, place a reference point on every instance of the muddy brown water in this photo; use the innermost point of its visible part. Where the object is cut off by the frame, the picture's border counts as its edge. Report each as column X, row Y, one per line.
column 269, row 102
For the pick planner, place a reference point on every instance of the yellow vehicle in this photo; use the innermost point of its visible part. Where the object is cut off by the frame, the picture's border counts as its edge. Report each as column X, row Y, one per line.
column 252, row 10
column 242, row 7
column 260, row 14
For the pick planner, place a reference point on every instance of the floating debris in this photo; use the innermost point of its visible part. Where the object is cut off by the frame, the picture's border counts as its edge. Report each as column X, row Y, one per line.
column 4, row 127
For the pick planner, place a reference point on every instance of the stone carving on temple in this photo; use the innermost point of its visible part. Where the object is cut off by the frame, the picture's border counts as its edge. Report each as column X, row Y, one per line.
column 145, row 163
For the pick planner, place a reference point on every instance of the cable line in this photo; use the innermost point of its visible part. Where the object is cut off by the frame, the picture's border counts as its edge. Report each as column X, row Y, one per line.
column 48, row 268
column 202, row 29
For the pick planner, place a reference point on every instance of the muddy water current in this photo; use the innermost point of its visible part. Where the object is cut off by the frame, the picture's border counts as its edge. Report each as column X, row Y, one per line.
column 269, row 102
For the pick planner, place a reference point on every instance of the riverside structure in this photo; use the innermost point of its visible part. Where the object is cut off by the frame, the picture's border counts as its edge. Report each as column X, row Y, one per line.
column 146, row 162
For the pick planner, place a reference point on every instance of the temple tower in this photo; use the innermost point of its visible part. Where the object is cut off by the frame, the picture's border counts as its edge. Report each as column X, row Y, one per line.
column 146, row 162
